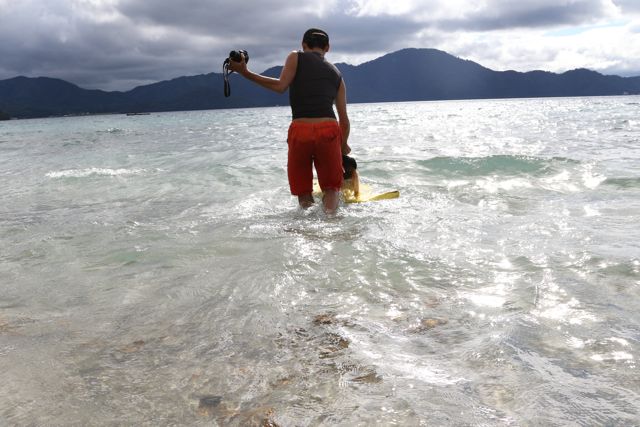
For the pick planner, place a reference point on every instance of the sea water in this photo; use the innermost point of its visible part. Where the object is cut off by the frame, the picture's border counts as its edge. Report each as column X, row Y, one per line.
column 155, row 270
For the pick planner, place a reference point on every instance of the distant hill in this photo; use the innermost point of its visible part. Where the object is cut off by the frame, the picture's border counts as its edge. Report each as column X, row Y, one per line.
column 40, row 97
column 405, row 75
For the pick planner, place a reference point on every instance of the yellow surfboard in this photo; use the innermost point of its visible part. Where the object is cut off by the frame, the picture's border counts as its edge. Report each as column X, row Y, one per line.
column 366, row 194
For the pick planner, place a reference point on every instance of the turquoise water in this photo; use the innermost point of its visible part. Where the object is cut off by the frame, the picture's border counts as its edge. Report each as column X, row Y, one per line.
column 154, row 270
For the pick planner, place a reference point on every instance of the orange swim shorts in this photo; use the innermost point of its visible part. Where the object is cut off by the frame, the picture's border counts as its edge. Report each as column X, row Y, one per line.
column 314, row 144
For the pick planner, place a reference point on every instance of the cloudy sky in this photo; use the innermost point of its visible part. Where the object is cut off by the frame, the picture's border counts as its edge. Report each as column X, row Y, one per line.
column 119, row 44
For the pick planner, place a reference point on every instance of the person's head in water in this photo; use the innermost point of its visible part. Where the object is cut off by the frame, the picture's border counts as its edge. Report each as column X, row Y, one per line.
column 349, row 165
column 315, row 37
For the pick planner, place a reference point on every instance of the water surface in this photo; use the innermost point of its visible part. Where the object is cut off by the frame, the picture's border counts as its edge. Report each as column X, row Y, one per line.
column 155, row 270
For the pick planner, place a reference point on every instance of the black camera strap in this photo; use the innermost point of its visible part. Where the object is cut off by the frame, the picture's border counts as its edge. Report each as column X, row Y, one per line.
column 225, row 74
column 237, row 56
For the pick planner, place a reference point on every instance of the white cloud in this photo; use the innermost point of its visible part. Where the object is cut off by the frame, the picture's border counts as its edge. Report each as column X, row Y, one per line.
column 118, row 43
column 612, row 50
column 381, row 7
column 628, row 6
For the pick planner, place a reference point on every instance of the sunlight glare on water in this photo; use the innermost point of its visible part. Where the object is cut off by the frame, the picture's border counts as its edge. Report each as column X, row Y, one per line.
column 155, row 270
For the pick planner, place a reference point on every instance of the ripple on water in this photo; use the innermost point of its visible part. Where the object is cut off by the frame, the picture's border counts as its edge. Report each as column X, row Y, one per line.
column 499, row 289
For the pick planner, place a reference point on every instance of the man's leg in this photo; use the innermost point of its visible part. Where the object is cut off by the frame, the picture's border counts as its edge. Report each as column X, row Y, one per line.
column 328, row 163
column 300, row 163
column 305, row 201
column 330, row 201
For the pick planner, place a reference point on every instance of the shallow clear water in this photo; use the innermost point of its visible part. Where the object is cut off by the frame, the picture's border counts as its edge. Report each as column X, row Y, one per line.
column 154, row 270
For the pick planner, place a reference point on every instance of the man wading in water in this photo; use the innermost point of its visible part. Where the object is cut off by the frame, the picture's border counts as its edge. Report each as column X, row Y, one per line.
column 315, row 137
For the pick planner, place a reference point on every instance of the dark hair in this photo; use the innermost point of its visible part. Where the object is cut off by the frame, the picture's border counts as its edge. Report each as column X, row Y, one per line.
column 349, row 165
column 315, row 37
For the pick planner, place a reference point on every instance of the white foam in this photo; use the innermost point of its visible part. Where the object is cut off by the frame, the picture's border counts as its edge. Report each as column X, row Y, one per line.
column 620, row 341
column 576, row 342
column 82, row 173
column 493, row 185
column 560, row 182
column 592, row 181
column 589, row 211
column 615, row 356
column 569, row 312
column 486, row 300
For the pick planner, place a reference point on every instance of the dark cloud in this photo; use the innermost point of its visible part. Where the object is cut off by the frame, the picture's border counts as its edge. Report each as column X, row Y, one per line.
column 268, row 27
column 120, row 44
column 371, row 34
column 215, row 17
column 106, row 53
column 507, row 14
column 223, row 22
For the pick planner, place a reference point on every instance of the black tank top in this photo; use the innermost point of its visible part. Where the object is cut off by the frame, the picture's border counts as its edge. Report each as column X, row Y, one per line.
column 314, row 88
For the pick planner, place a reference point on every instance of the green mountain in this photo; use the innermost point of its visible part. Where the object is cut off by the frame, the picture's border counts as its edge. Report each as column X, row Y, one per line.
column 405, row 75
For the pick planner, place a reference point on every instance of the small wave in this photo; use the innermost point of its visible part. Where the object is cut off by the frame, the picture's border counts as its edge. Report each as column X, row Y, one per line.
column 630, row 182
column 498, row 164
column 111, row 130
column 491, row 185
column 82, row 173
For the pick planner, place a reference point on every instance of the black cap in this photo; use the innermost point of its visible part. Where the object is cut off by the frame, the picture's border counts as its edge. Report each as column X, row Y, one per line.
column 315, row 37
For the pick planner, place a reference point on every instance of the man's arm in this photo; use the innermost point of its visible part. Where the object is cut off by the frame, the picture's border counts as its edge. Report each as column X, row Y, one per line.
column 280, row 84
column 343, row 118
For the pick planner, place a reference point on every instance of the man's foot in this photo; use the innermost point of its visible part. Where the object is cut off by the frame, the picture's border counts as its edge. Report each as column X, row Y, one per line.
column 305, row 201
column 330, row 201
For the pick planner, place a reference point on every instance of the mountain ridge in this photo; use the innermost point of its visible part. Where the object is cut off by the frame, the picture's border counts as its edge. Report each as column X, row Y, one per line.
column 409, row 74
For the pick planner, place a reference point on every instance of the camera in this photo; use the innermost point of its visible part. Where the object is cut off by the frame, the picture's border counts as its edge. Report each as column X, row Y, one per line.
column 236, row 55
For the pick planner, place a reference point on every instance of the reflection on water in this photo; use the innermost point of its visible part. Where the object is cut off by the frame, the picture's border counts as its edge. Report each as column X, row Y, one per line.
column 156, row 271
